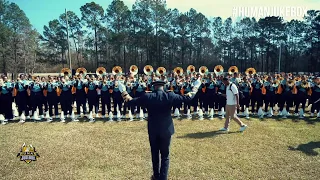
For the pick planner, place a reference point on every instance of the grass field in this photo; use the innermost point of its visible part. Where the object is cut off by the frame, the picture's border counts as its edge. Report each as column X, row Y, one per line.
column 268, row 149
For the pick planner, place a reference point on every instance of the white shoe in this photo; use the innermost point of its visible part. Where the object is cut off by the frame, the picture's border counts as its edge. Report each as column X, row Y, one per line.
column 242, row 128
column 63, row 121
column 75, row 120
column 91, row 120
column 28, row 117
column 224, row 130
column 296, row 114
column 49, row 120
column 312, row 114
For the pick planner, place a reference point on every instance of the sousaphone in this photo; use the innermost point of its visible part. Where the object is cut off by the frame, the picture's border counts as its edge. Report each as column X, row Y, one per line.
column 161, row 71
column 233, row 69
column 250, row 71
column 190, row 69
column 66, row 72
column 148, row 70
column 101, row 71
column 134, row 70
column 81, row 71
column 117, row 70
column 178, row 71
column 203, row 70
column 218, row 70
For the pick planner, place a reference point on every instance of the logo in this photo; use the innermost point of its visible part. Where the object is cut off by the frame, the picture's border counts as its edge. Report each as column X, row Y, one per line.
column 28, row 153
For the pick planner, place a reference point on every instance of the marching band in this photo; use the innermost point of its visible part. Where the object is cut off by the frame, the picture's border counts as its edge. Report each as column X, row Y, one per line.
column 38, row 98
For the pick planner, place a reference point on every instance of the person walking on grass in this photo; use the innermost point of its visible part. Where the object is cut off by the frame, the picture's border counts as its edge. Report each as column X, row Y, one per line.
column 232, row 96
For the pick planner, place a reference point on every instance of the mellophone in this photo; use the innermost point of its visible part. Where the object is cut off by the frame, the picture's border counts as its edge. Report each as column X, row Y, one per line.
column 39, row 96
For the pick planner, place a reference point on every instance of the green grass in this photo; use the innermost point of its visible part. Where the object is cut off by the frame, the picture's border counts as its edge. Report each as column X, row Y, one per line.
column 111, row 150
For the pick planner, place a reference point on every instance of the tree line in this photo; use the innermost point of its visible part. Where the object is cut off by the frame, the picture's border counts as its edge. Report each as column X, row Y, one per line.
column 151, row 33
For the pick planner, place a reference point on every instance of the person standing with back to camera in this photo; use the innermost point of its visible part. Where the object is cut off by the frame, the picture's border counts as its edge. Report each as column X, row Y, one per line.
column 232, row 96
column 160, row 125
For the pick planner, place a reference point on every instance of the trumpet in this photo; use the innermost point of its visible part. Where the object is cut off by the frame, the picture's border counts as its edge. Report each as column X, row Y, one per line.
column 178, row 70
column 190, row 69
column 116, row 70
column 134, row 70
column 81, row 71
column 148, row 70
column 250, row 71
column 218, row 70
column 66, row 72
column 204, row 81
column 161, row 71
column 203, row 70
column 101, row 71
column 233, row 69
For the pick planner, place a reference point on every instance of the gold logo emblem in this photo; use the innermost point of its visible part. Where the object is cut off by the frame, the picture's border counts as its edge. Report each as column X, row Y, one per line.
column 28, row 153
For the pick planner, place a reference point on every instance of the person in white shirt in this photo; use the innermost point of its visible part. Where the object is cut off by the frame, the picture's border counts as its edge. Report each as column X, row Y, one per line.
column 232, row 96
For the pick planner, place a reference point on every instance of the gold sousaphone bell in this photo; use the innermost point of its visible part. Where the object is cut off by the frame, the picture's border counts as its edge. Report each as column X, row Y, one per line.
column 81, row 71
column 218, row 70
column 233, row 69
column 148, row 70
column 117, row 70
column 178, row 71
column 190, row 69
column 250, row 71
column 101, row 71
column 66, row 72
column 203, row 70
column 161, row 71
column 134, row 70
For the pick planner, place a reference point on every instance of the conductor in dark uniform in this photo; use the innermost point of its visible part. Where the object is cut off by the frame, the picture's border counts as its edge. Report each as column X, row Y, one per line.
column 160, row 125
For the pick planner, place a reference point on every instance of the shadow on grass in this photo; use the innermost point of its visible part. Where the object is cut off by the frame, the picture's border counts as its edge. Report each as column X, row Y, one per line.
column 201, row 135
column 308, row 148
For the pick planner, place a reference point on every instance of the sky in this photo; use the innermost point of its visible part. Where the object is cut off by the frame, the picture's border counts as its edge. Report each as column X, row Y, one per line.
column 40, row 12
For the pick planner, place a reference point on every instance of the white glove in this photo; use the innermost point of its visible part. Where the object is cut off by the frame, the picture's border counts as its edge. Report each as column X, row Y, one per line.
column 197, row 83
column 121, row 87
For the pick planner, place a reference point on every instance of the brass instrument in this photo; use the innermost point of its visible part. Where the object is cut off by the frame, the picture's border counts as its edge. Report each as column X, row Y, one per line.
column 117, row 70
column 291, row 83
column 233, row 69
column 297, row 78
column 134, row 70
column 161, row 71
column 204, row 81
column 122, row 78
column 305, row 84
column 66, row 72
column 275, row 83
column 81, row 71
column 178, row 71
column 218, row 70
column 148, row 70
column 101, row 71
column 190, row 69
column 250, row 71
column 203, row 70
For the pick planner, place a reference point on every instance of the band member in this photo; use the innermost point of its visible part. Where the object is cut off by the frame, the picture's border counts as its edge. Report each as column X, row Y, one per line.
column 270, row 97
column 22, row 95
column 210, row 95
column 315, row 96
column 81, row 95
column 105, row 87
column 221, row 99
column 303, row 88
column 66, row 96
column 160, row 124
column 187, row 88
column 6, row 88
column 117, row 99
column 256, row 95
column 52, row 97
column 37, row 96
column 93, row 95
column 245, row 87
column 44, row 97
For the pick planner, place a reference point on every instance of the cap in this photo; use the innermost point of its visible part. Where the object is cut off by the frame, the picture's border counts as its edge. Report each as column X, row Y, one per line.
column 158, row 83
